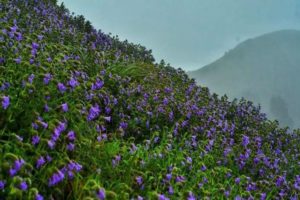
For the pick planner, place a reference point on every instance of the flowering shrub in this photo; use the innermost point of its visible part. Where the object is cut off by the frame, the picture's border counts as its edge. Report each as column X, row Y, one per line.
column 86, row 116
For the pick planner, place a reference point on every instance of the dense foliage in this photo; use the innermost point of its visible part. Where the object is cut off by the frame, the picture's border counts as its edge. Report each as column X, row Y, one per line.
column 86, row 116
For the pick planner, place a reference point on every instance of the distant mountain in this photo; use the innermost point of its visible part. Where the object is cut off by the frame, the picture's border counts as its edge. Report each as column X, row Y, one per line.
column 265, row 69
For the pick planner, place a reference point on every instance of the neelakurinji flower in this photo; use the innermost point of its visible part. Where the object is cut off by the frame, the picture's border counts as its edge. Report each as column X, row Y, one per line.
column 108, row 119
column 97, row 85
column 74, row 166
column 70, row 147
column 61, row 87
column 2, row 184
column 94, row 112
column 191, row 196
column 5, row 102
column 40, row 162
column 30, row 78
column 58, row 130
column 168, row 177
column 47, row 78
column 56, row 178
column 39, row 197
column 23, row 186
column 16, row 167
column 65, row 107
column 170, row 190
column 116, row 160
column 123, row 125
column 71, row 135
column 139, row 180
column 245, row 140
column 101, row 194
column 18, row 60
column 162, row 197
column 73, row 83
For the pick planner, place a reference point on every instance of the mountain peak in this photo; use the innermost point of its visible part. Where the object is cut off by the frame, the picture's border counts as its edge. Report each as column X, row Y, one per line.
column 259, row 69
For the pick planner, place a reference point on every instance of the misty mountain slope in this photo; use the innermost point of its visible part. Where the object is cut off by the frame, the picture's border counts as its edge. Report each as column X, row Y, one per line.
column 265, row 70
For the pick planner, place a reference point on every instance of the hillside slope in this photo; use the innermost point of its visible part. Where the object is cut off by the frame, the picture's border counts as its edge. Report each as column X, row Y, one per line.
column 86, row 116
column 265, row 70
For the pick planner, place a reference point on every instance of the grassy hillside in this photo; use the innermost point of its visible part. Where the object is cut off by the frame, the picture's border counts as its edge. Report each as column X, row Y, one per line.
column 264, row 70
column 86, row 116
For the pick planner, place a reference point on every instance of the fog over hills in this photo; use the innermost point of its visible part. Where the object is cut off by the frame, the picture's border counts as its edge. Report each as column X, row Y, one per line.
column 264, row 69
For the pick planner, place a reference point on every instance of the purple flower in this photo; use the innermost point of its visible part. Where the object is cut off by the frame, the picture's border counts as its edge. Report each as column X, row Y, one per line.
column 251, row 187
column 2, row 184
column 71, row 135
column 170, row 190
column 73, row 82
column 23, row 186
column 180, row 179
column 65, row 107
column 189, row 160
column 171, row 116
column 238, row 198
column 70, row 174
column 34, row 125
column 139, row 198
column 51, row 144
column 116, row 160
column 98, row 85
column 12, row 171
column 47, row 78
column 165, row 101
column 245, row 140
column 139, row 180
column 107, row 110
column 5, row 85
column 17, row 166
column 297, row 183
column 40, row 162
column 40, row 37
column 33, row 54
column 101, row 194
column 133, row 148
column 46, row 108
column 168, row 177
column 74, row 166
column 93, row 112
column 35, row 139
column 162, row 197
column 35, row 45
column 5, row 102
column 13, row 29
column 70, row 147
column 191, row 196
column 19, row 36
column 39, row 197
column 237, row 180
column 58, row 130
column 123, row 125
column 263, row 196
column 18, row 60
column 227, row 193
column 30, row 78
column 49, row 159
column 280, row 181
column 44, row 124
column 56, row 178
column 203, row 167
column 108, row 119
column 61, row 87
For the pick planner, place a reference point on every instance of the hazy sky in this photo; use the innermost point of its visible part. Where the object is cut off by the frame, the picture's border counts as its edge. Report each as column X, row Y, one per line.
column 188, row 33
